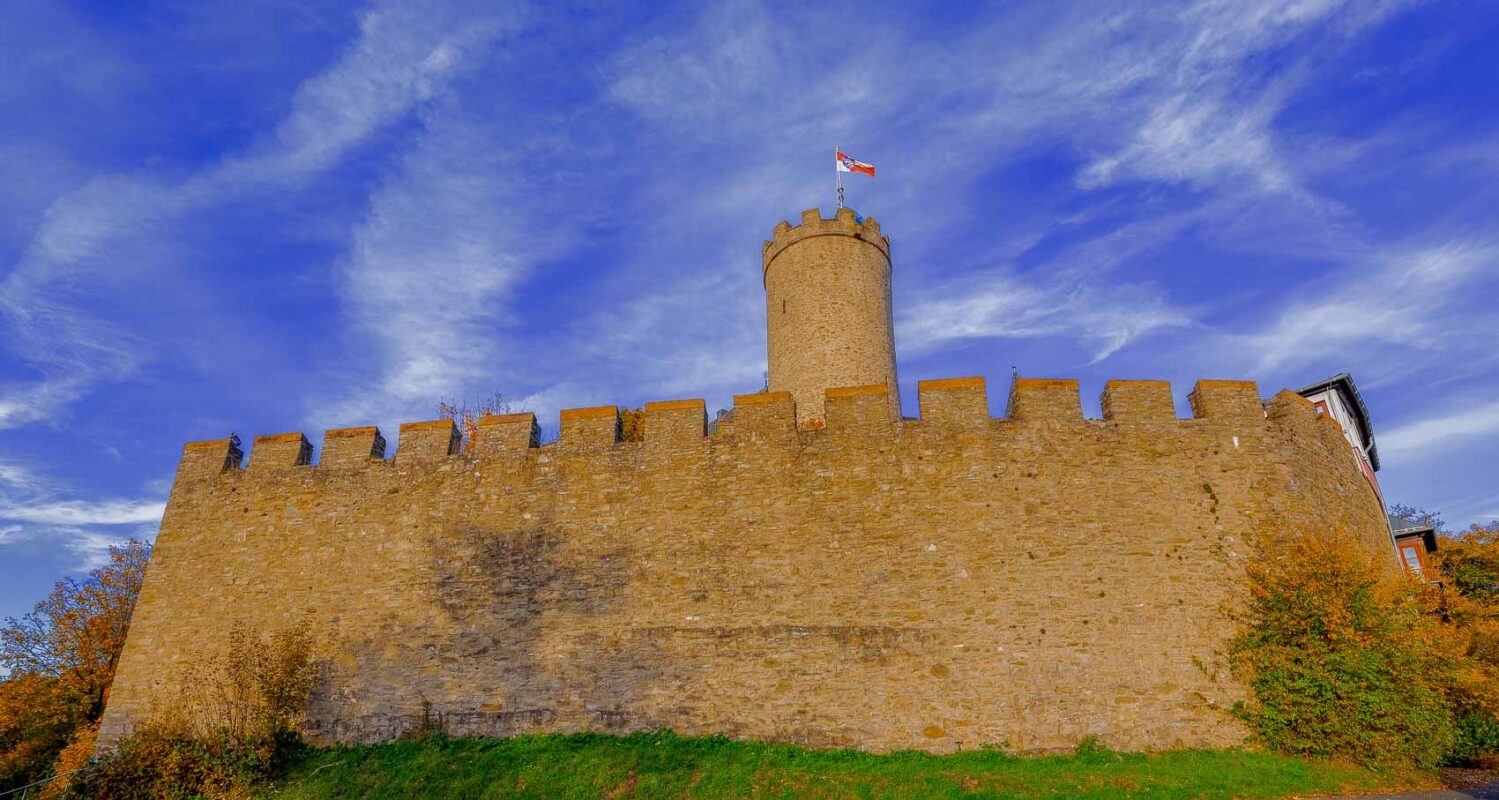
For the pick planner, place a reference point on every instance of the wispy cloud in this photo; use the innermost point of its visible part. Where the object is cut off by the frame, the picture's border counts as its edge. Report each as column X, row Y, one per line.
column 1387, row 300
column 74, row 513
column 1008, row 308
column 1433, row 435
column 1147, row 94
column 404, row 56
column 428, row 287
column 35, row 511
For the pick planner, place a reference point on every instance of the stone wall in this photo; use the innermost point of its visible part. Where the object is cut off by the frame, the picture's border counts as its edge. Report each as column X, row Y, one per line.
column 939, row 583
column 828, row 310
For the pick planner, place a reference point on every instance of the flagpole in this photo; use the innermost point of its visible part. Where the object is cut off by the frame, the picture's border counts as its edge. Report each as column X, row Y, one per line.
column 837, row 176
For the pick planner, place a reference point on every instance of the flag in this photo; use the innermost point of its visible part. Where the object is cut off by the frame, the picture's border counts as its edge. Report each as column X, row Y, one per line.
column 847, row 164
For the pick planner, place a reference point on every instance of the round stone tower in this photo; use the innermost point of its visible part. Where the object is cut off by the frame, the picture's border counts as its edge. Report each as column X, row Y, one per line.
column 828, row 310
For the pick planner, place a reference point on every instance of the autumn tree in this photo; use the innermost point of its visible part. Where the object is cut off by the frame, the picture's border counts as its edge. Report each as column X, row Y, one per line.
column 59, row 661
column 1468, row 562
column 1417, row 516
column 467, row 415
column 1339, row 659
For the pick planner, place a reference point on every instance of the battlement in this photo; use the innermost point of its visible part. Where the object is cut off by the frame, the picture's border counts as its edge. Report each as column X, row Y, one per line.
column 949, row 404
column 817, row 569
column 1034, row 578
column 843, row 223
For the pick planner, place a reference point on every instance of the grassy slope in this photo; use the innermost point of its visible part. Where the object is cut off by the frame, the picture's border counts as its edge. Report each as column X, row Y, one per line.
column 665, row 765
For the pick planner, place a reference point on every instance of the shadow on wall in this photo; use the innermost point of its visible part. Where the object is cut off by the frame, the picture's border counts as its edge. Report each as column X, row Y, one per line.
column 483, row 664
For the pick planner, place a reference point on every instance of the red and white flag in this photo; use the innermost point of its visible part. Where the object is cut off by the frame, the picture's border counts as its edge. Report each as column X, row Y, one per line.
column 847, row 164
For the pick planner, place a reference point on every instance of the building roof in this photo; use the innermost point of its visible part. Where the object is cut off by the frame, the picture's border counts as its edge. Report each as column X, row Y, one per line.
column 1343, row 382
column 1401, row 525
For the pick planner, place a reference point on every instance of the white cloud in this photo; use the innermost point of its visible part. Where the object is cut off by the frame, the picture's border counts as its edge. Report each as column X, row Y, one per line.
column 74, row 513
column 427, row 286
column 1145, row 93
column 404, row 56
column 1008, row 308
column 15, row 476
column 35, row 512
column 1197, row 140
column 1388, row 300
column 1434, row 434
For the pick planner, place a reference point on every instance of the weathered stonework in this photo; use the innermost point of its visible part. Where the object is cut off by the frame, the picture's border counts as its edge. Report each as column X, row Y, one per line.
column 818, row 570
column 828, row 310
column 942, row 582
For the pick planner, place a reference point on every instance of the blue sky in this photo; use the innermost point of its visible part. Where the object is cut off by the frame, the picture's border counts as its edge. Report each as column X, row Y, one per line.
column 266, row 217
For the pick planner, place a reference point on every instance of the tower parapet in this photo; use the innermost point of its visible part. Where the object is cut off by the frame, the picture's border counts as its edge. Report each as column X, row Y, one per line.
column 828, row 310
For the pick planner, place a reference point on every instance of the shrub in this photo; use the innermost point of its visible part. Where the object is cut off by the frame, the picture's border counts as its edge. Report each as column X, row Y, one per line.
column 1477, row 741
column 234, row 726
column 1340, row 659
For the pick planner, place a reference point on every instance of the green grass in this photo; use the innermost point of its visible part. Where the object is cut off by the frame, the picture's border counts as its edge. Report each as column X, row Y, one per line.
column 666, row 765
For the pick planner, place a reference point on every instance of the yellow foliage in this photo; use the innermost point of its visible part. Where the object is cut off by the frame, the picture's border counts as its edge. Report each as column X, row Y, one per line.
column 1345, row 657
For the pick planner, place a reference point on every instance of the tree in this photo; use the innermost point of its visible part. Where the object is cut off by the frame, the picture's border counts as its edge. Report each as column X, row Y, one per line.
column 1417, row 516
column 467, row 416
column 60, row 660
column 1339, row 659
column 36, row 722
column 1469, row 561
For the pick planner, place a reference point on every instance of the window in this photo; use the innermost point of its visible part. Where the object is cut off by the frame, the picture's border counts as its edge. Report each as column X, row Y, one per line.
column 1411, row 555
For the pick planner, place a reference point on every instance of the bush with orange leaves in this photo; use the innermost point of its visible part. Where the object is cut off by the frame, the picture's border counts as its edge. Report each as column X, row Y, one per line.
column 236, row 722
column 60, row 660
column 1468, row 563
column 1345, row 657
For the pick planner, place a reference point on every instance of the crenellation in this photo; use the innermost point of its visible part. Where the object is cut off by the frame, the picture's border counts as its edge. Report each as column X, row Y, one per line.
column 770, row 419
column 1045, row 400
column 675, row 424
column 1226, row 400
column 844, row 223
column 1137, row 401
column 859, row 410
column 208, row 459
column 280, row 451
column 819, row 570
column 352, row 447
column 586, row 428
column 954, row 401
column 433, row 440
column 767, row 416
column 503, row 435
column 1288, row 406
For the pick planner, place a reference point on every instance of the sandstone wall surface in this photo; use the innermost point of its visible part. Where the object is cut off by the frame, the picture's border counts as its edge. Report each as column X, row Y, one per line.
column 946, row 582
column 828, row 310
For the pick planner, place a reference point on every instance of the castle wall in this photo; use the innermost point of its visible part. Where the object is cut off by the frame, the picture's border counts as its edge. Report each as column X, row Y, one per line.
column 828, row 310
column 939, row 583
